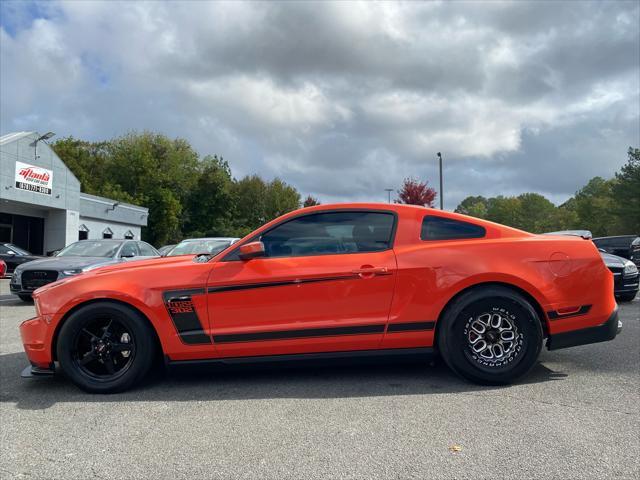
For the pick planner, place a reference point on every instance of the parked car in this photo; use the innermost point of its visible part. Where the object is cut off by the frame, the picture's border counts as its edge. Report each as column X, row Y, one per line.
column 165, row 249
column 626, row 278
column 622, row 245
column 332, row 281
column 14, row 256
column 196, row 246
column 79, row 257
column 3, row 269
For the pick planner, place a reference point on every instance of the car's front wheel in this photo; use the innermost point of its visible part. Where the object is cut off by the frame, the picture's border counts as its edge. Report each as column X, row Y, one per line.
column 26, row 298
column 490, row 335
column 105, row 347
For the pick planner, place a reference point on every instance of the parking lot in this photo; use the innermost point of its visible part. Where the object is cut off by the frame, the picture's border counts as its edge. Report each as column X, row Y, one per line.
column 575, row 416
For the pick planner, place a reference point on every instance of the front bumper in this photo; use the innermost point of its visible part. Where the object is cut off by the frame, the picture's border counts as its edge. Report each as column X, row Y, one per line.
column 36, row 334
column 627, row 284
column 602, row 333
column 31, row 371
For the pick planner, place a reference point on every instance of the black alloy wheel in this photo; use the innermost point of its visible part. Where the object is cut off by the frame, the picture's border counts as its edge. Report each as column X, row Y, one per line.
column 106, row 347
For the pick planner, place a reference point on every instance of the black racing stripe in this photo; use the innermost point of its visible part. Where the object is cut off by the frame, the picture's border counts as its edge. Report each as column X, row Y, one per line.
column 174, row 294
column 308, row 332
column 282, row 283
column 554, row 315
column 410, row 327
column 183, row 314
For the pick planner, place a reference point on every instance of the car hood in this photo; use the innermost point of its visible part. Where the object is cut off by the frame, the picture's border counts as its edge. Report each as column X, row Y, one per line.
column 613, row 260
column 66, row 263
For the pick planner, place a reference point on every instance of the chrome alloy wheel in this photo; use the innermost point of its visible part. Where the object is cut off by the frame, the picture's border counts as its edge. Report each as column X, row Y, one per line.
column 492, row 338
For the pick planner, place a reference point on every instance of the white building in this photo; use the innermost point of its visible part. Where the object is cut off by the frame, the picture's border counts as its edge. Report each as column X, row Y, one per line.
column 41, row 206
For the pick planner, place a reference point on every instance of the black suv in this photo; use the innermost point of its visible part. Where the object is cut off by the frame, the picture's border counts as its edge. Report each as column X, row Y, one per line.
column 626, row 246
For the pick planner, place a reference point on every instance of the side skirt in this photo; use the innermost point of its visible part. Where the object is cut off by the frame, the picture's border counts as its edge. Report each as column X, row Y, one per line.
column 319, row 358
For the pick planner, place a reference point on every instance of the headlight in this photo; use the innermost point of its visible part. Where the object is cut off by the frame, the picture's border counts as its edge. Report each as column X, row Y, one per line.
column 73, row 271
column 630, row 268
column 17, row 275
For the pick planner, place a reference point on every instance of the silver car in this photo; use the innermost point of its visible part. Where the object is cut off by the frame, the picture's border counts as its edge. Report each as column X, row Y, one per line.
column 77, row 258
column 204, row 246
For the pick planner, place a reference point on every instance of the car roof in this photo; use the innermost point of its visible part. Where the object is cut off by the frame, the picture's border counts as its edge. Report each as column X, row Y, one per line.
column 209, row 238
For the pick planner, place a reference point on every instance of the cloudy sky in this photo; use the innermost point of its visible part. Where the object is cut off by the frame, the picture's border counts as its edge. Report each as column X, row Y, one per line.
column 343, row 99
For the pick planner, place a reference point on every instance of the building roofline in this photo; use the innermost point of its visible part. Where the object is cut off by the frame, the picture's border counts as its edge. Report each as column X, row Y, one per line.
column 111, row 201
column 13, row 136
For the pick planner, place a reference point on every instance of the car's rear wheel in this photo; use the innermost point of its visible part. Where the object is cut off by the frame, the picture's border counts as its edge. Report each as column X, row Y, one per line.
column 26, row 298
column 490, row 335
column 105, row 347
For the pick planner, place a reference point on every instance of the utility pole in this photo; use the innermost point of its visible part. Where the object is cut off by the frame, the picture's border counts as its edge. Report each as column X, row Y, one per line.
column 441, row 191
column 389, row 190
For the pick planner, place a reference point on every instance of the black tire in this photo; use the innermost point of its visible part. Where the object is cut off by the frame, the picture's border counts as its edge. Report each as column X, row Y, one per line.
column 79, row 338
column 627, row 297
column 508, row 309
column 26, row 298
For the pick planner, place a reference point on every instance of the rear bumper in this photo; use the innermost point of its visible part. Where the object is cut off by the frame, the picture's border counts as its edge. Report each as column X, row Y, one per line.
column 601, row 333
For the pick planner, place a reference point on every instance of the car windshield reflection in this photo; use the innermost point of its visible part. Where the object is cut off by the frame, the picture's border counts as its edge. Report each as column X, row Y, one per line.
column 90, row 249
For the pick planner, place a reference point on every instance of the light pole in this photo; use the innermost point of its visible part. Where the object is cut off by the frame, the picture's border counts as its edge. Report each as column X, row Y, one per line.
column 441, row 191
column 44, row 137
column 389, row 190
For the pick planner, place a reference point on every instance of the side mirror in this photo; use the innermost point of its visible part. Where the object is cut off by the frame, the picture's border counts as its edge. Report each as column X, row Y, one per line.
column 602, row 250
column 251, row 250
column 11, row 252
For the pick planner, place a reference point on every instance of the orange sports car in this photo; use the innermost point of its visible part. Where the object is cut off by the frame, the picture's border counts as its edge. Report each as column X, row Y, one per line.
column 332, row 281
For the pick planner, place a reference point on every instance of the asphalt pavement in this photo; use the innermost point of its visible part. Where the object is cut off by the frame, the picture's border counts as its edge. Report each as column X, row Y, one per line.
column 575, row 416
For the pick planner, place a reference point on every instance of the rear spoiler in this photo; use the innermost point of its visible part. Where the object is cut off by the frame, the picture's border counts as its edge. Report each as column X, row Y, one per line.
column 586, row 234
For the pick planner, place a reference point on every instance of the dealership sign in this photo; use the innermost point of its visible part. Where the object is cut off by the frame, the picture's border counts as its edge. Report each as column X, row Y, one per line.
column 33, row 179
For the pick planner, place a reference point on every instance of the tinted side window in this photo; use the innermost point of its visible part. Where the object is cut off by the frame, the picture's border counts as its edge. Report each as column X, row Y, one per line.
column 440, row 228
column 330, row 233
column 146, row 250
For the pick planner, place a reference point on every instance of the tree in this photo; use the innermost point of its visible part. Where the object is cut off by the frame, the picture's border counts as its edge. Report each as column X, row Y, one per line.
column 310, row 201
column 473, row 206
column 626, row 194
column 142, row 168
column 594, row 207
column 249, row 198
column 414, row 192
column 536, row 213
column 209, row 208
column 281, row 199
column 505, row 210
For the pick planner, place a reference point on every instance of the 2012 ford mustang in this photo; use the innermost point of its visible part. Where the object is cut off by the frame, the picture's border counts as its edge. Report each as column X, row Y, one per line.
column 327, row 281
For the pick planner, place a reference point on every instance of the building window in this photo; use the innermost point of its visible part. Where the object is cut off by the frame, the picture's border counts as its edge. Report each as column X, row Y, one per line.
column 83, row 232
column 129, row 235
column 107, row 233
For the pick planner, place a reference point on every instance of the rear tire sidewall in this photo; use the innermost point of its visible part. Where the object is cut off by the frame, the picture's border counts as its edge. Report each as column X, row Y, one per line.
column 134, row 322
column 452, row 339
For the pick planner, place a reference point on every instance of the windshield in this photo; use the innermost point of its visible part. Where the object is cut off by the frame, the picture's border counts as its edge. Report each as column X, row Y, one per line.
column 90, row 249
column 17, row 250
column 210, row 247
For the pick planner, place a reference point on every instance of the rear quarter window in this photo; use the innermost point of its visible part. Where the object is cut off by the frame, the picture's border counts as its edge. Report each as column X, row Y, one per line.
column 441, row 228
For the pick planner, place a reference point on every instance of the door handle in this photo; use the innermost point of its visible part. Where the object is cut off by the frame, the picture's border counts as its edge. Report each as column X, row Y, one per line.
column 366, row 272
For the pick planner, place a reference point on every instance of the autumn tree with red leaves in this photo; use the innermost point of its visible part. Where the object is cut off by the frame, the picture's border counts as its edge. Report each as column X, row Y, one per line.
column 310, row 201
column 414, row 192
